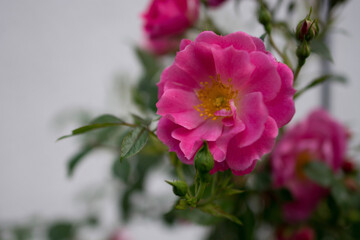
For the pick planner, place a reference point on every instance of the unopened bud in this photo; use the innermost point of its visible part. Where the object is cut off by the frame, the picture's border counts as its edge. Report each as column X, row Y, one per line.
column 302, row 52
column 203, row 160
column 264, row 17
column 307, row 29
column 180, row 188
column 348, row 166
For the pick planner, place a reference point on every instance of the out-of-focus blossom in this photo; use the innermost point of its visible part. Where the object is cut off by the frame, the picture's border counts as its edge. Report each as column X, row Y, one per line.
column 228, row 91
column 160, row 46
column 318, row 138
column 119, row 234
column 215, row 3
column 304, row 233
column 165, row 21
column 348, row 166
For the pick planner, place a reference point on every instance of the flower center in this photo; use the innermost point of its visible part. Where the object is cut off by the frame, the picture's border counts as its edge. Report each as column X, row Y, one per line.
column 215, row 96
column 302, row 159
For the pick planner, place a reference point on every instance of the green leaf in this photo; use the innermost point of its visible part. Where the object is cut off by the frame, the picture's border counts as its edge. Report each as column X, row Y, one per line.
column 339, row 193
column 319, row 47
column 216, row 211
column 262, row 37
column 99, row 122
column 319, row 80
column 139, row 120
column 133, row 142
column 320, row 173
column 121, row 170
column 76, row 159
column 148, row 61
column 231, row 192
column 61, row 231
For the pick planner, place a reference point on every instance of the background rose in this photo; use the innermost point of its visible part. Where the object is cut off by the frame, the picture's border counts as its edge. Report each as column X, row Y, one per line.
column 318, row 138
column 304, row 233
column 166, row 20
column 229, row 92
column 215, row 3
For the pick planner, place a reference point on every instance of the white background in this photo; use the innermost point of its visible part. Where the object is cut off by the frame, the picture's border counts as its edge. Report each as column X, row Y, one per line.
column 57, row 55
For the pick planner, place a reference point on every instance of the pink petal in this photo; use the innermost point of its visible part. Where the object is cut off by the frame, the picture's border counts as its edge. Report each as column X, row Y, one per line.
column 232, row 126
column 254, row 114
column 184, row 43
column 219, row 166
column 165, row 128
column 246, row 171
column 178, row 106
column 196, row 60
column 282, row 107
column 174, row 77
column 234, row 64
column 265, row 78
column 239, row 40
column 191, row 140
column 259, row 44
column 243, row 159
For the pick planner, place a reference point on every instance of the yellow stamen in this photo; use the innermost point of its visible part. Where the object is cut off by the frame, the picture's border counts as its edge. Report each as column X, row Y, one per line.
column 214, row 96
column 302, row 159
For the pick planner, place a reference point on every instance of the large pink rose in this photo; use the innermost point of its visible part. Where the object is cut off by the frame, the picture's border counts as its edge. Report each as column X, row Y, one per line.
column 318, row 138
column 228, row 91
column 166, row 20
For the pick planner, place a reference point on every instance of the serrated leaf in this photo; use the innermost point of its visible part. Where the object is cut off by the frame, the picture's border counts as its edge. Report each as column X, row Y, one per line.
column 216, row 211
column 320, row 173
column 141, row 120
column 121, row 170
column 319, row 80
column 319, row 47
column 133, row 142
column 231, row 192
column 76, row 159
column 99, row 122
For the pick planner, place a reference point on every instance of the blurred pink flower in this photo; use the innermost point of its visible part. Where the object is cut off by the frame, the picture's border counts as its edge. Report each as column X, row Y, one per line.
column 165, row 21
column 318, row 138
column 215, row 3
column 304, row 233
column 119, row 234
column 228, row 91
column 160, row 46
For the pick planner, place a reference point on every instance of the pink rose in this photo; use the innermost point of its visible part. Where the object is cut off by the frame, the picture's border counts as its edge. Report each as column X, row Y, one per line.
column 304, row 233
column 119, row 234
column 160, row 46
column 215, row 3
column 166, row 20
column 228, row 91
column 319, row 138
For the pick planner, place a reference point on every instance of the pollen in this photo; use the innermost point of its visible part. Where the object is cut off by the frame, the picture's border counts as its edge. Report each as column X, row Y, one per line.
column 214, row 96
column 302, row 159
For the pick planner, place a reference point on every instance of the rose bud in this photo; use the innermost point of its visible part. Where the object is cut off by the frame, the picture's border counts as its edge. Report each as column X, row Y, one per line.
column 348, row 166
column 307, row 30
column 179, row 188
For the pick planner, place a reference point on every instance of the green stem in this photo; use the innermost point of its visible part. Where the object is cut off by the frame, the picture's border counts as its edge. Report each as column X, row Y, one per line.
column 281, row 54
column 200, row 190
column 179, row 171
